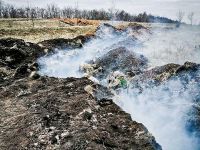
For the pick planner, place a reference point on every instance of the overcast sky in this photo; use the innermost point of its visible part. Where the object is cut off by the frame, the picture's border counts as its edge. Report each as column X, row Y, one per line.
column 167, row 8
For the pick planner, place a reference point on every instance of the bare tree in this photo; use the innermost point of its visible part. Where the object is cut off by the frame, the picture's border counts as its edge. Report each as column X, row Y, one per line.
column 42, row 12
column 52, row 11
column 12, row 12
column 33, row 16
column 190, row 17
column 21, row 13
column 180, row 16
column 112, row 10
column 1, row 8
column 67, row 12
column 76, row 11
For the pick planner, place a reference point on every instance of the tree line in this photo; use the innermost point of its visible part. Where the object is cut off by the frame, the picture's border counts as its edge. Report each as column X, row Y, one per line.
column 52, row 11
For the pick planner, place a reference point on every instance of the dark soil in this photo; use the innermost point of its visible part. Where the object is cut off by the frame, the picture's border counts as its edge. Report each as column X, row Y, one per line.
column 51, row 113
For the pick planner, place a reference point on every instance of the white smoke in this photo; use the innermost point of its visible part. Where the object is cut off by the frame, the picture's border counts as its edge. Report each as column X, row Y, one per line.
column 66, row 63
column 173, row 46
column 162, row 109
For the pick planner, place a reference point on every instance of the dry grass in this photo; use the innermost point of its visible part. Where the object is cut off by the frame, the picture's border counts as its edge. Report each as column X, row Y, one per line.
column 44, row 29
column 81, row 22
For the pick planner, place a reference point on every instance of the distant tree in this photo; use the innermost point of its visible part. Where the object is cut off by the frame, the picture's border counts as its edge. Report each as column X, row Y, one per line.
column 33, row 16
column 21, row 13
column 42, row 12
column 5, row 12
column 52, row 11
column 55, row 11
column 112, row 10
column 190, row 17
column 1, row 8
column 180, row 16
column 142, row 17
column 76, row 11
column 67, row 12
column 12, row 11
column 121, row 15
column 85, row 14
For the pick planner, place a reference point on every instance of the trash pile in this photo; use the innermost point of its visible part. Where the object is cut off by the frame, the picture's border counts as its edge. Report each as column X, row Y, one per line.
column 41, row 112
column 115, row 69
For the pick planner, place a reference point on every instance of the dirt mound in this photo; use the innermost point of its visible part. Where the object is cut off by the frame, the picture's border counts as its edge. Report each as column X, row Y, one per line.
column 15, row 52
column 120, row 59
column 106, row 28
column 50, row 113
column 164, row 73
column 17, row 59
column 188, row 74
column 62, row 43
column 133, row 26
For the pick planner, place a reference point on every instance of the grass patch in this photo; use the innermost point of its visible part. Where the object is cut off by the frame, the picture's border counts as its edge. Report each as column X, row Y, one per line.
column 42, row 29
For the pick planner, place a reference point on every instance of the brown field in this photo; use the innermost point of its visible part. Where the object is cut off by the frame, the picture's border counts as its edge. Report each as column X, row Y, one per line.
column 38, row 30
column 81, row 22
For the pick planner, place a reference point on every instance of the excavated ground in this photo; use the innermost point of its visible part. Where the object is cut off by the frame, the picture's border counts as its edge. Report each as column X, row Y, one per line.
column 39, row 112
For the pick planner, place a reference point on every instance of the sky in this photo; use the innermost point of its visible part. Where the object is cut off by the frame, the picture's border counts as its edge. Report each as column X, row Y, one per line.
column 166, row 8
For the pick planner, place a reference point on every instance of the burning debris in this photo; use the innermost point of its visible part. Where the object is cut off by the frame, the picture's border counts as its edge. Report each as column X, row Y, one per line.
column 54, row 113
column 117, row 58
column 80, row 113
column 117, row 79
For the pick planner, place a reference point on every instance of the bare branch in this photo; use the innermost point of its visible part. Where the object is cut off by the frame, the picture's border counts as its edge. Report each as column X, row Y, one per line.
column 180, row 16
column 190, row 17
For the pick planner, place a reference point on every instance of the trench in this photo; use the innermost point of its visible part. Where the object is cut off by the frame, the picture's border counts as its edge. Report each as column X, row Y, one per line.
column 164, row 109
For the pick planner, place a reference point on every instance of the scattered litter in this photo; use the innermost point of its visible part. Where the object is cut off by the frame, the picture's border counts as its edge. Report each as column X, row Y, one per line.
column 89, row 89
column 117, row 80
column 23, row 93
